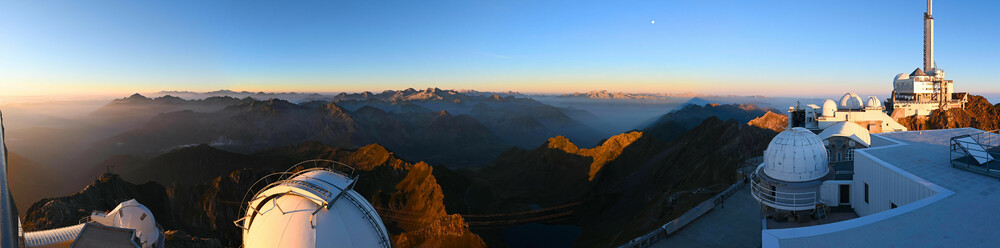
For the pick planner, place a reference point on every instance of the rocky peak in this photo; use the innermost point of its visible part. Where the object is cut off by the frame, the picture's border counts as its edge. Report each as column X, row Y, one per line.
column 771, row 121
column 602, row 154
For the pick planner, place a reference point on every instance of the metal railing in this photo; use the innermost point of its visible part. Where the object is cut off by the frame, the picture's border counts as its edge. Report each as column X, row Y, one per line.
column 782, row 200
column 977, row 155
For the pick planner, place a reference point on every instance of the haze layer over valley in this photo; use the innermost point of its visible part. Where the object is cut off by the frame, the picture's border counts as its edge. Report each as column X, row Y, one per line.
column 487, row 166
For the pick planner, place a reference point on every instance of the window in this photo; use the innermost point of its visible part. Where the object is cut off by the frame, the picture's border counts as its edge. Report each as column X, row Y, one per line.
column 850, row 154
column 892, row 205
column 840, row 157
column 866, row 193
column 829, row 154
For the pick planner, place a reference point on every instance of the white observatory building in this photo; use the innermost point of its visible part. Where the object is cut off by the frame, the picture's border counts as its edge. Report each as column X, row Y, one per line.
column 313, row 208
column 789, row 180
column 868, row 113
column 924, row 90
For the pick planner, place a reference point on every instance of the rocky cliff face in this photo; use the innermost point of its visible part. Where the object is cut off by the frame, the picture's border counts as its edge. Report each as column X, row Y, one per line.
column 978, row 113
column 771, row 121
column 601, row 155
column 555, row 173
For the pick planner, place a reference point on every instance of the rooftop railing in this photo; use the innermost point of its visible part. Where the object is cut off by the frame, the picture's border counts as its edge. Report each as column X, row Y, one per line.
column 977, row 153
column 793, row 201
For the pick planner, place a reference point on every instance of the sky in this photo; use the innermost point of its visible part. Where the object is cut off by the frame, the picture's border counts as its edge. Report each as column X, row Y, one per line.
column 773, row 48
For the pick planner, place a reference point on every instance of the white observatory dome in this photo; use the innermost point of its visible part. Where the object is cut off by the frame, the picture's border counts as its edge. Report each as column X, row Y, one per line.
column 132, row 215
column 850, row 101
column 873, row 102
column 315, row 208
column 796, row 155
column 829, row 108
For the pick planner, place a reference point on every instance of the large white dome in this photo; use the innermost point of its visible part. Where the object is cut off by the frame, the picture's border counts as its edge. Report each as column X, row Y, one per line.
column 316, row 208
column 850, row 101
column 796, row 155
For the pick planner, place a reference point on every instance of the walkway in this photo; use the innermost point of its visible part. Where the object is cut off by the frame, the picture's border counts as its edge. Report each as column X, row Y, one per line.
column 735, row 224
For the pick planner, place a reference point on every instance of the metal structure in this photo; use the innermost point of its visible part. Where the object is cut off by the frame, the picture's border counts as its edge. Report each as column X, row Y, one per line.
column 977, row 153
column 9, row 223
column 928, row 38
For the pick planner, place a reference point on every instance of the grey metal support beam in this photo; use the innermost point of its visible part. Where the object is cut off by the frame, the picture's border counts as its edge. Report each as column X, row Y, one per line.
column 8, row 214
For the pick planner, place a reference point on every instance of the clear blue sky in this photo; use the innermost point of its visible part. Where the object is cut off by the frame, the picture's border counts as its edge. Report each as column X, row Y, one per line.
column 729, row 47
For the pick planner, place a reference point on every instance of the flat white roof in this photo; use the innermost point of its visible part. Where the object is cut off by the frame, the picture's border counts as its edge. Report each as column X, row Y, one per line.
column 962, row 214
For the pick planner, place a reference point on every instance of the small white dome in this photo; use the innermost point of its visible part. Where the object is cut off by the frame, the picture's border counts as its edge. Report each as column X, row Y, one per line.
column 850, row 101
column 873, row 102
column 829, row 108
column 796, row 155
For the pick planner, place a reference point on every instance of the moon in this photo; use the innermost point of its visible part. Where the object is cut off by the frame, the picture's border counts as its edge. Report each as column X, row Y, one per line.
column 652, row 22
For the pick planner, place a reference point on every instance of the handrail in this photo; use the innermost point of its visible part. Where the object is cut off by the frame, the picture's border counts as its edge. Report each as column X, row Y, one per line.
column 779, row 199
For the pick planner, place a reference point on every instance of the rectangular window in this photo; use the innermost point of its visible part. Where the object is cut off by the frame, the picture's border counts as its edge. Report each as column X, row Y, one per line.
column 866, row 192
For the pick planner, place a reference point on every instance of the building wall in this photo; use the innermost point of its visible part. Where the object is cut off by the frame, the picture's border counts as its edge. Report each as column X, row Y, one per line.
column 839, row 148
column 885, row 186
column 830, row 191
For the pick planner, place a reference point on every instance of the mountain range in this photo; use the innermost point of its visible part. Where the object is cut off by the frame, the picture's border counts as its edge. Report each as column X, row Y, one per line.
column 629, row 181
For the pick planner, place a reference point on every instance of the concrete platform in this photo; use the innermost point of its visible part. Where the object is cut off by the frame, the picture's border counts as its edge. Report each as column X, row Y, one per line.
column 734, row 224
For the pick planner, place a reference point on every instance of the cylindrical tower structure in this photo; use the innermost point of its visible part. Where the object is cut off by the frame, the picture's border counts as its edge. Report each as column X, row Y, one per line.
column 928, row 39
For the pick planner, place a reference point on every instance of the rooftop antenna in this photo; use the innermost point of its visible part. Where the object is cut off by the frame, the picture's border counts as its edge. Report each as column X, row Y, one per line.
column 929, row 38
